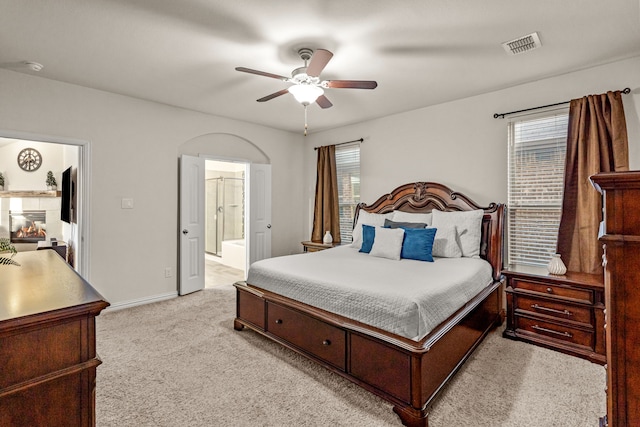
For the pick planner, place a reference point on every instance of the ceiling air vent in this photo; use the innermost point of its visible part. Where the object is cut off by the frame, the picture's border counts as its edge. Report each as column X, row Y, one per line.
column 522, row 44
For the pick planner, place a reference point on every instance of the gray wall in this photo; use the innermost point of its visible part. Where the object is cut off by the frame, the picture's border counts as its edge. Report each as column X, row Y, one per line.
column 135, row 146
column 459, row 143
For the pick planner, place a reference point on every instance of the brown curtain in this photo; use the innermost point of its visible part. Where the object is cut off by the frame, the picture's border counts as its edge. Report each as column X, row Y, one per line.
column 596, row 142
column 326, row 216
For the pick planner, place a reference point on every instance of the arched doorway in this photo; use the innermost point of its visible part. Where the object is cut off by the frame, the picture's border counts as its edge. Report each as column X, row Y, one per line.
column 250, row 240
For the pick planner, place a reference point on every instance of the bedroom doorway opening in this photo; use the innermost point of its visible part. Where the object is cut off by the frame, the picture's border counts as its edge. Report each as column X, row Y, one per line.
column 225, row 222
column 61, row 203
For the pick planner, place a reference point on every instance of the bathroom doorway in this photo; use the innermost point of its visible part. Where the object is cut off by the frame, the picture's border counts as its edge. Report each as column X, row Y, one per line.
column 225, row 214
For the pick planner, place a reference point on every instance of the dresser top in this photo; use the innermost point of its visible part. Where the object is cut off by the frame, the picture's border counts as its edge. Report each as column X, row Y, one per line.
column 571, row 277
column 43, row 283
column 616, row 180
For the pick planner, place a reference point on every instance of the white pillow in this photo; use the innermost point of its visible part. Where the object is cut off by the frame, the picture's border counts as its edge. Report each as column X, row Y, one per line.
column 468, row 225
column 367, row 218
column 387, row 243
column 399, row 216
column 445, row 244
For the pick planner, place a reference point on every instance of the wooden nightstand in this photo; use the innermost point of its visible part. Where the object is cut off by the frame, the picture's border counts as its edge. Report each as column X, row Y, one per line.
column 564, row 313
column 310, row 246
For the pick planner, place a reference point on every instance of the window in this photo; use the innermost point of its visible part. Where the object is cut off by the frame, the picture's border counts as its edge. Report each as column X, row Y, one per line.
column 537, row 150
column 348, row 171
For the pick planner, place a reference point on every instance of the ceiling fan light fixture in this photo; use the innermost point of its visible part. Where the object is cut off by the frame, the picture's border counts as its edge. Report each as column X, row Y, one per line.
column 307, row 87
column 306, row 94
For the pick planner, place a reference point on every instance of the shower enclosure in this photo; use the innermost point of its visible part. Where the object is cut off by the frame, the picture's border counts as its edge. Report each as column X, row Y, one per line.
column 224, row 212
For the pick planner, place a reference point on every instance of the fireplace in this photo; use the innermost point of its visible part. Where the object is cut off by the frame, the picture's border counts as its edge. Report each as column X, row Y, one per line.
column 28, row 226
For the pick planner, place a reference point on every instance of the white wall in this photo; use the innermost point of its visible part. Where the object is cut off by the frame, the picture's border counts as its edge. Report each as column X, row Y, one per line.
column 459, row 143
column 16, row 179
column 134, row 148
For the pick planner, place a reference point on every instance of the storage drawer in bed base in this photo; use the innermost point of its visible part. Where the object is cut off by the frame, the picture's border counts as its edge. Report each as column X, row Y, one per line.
column 310, row 335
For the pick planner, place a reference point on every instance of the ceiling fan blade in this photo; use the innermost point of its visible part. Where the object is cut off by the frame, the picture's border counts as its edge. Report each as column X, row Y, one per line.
column 261, row 73
column 273, row 95
column 319, row 60
column 324, row 102
column 352, row 84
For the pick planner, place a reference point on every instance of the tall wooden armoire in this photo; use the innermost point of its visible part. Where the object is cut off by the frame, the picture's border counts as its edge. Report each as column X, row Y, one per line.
column 621, row 240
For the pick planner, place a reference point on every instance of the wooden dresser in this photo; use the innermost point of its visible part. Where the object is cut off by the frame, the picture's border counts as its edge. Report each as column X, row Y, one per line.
column 621, row 240
column 47, row 343
column 564, row 313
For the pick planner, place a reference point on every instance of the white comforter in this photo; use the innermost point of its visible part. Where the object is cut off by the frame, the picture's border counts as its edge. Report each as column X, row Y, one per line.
column 405, row 297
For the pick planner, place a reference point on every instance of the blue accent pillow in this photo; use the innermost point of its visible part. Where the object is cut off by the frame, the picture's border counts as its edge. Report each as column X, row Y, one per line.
column 418, row 243
column 368, row 236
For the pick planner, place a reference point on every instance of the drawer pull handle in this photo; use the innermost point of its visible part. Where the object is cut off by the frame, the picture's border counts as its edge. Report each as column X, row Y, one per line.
column 552, row 310
column 549, row 290
column 278, row 321
column 326, row 342
column 551, row 331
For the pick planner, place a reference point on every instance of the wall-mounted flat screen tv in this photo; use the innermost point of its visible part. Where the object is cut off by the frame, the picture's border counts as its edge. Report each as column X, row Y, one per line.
column 66, row 205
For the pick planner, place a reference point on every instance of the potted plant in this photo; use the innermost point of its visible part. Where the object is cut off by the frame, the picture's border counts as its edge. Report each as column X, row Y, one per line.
column 7, row 248
column 1, row 182
column 51, row 181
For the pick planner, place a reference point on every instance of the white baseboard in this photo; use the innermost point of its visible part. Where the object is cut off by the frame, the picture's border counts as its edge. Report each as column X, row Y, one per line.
column 141, row 301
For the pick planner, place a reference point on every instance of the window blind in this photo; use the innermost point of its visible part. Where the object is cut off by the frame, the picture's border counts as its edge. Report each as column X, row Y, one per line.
column 537, row 150
column 348, row 171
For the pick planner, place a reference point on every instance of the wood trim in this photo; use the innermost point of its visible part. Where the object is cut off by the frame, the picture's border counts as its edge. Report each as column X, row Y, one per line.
column 33, row 382
column 37, row 320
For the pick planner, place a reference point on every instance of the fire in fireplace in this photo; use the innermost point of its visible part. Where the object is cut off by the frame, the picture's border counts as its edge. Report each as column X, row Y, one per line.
column 27, row 226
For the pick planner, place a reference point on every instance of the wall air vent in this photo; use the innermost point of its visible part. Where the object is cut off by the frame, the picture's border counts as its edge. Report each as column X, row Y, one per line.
column 522, row 44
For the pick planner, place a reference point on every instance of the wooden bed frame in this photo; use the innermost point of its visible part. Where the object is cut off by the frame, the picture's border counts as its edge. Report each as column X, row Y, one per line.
column 404, row 372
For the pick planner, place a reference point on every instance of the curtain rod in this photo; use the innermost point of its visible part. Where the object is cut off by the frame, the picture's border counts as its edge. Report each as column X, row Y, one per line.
column 502, row 115
column 342, row 143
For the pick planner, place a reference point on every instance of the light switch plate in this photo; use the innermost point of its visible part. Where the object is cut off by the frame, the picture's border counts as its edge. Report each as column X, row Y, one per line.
column 127, row 203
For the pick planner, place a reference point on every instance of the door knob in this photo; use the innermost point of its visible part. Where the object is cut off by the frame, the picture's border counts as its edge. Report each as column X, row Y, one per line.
column 268, row 225
column 185, row 231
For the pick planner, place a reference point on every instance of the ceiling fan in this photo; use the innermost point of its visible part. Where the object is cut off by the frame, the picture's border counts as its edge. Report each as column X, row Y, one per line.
column 306, row 84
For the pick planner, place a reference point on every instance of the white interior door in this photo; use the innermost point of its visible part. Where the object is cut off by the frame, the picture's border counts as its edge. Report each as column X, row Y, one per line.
column 192, row 224
column 259, row 221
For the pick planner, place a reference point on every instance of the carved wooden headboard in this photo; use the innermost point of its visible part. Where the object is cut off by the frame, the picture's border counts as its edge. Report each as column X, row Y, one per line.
column 426, row 196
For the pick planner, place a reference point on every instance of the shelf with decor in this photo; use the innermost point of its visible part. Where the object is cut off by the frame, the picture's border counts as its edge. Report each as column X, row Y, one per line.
column 31, row 193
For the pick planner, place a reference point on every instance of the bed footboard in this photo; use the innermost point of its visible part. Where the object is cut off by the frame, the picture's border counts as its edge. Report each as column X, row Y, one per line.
column 407, row 373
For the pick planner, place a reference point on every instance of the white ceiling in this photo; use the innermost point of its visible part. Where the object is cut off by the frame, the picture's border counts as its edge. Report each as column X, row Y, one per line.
column 421, row 52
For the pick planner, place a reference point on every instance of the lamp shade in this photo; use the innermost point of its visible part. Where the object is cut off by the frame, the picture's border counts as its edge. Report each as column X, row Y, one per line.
column 305, row 94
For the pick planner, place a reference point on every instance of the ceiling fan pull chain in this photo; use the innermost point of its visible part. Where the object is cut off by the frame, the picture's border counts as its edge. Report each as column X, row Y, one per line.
column 305, row 120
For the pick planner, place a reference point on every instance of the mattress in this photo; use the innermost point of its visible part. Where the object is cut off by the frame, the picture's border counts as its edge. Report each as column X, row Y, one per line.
column 406, row 297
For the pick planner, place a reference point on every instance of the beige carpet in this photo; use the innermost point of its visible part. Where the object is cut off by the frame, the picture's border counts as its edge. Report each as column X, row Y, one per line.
column 180, row 363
